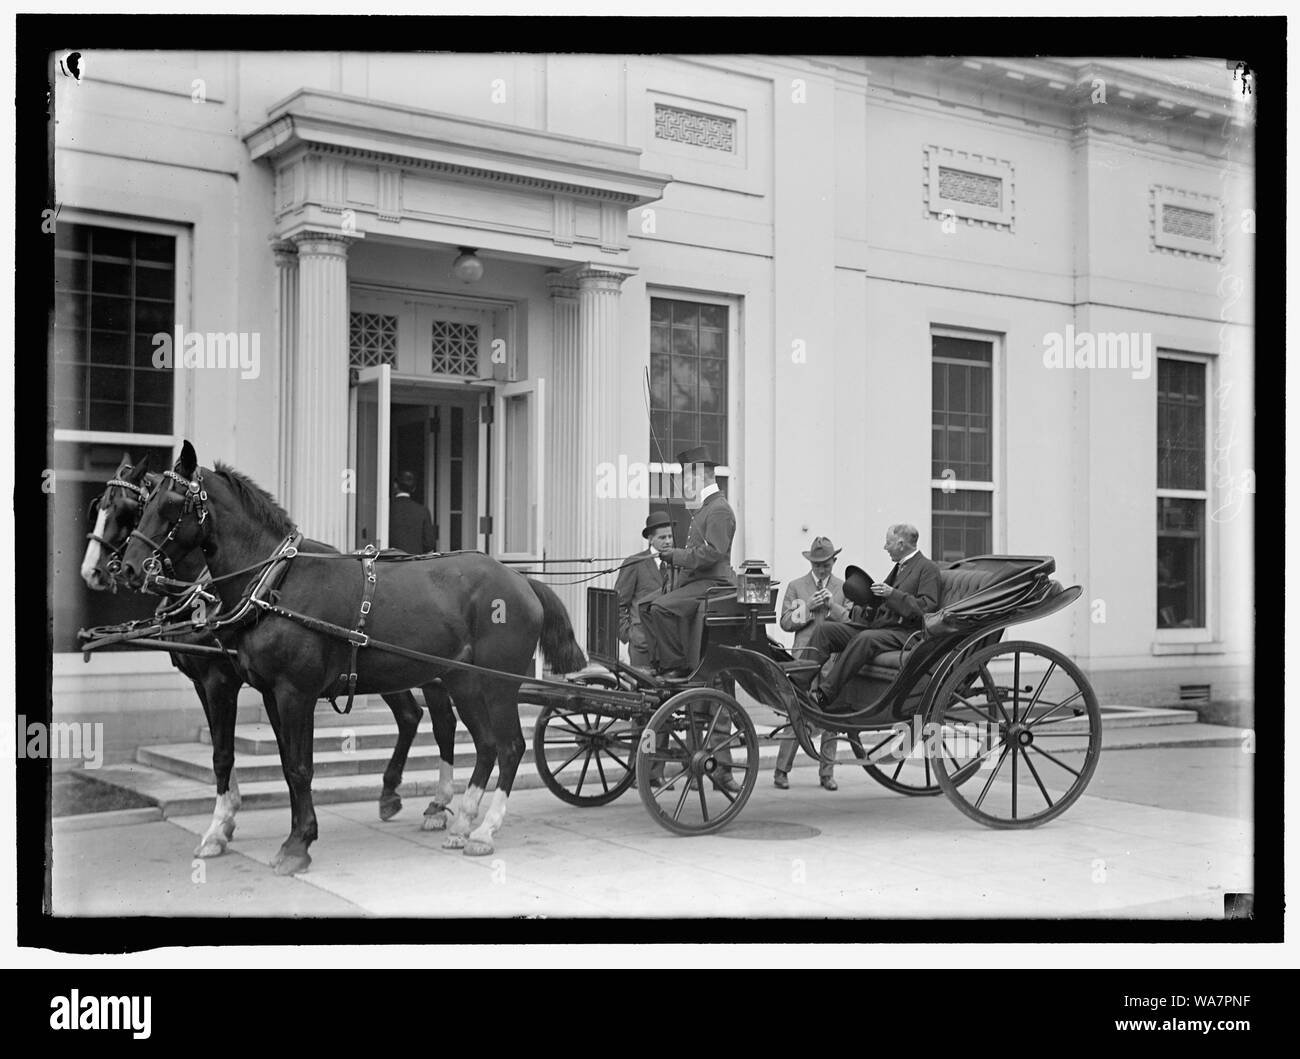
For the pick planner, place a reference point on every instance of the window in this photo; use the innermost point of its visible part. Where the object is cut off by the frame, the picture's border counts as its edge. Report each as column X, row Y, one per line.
column 961, row 446
column 115, row 288
column 688, row 393
column 1180, row 493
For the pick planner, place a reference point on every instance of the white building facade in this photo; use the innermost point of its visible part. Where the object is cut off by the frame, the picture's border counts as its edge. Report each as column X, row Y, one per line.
column 1009, row 301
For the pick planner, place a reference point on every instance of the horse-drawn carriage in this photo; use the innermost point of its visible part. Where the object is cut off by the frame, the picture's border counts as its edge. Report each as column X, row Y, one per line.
column 1009, row 731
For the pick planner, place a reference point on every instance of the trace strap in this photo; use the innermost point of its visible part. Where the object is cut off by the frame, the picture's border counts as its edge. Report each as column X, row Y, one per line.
column 358, row 639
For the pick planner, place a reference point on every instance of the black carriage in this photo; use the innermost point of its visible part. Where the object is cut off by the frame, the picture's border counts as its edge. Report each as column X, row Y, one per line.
column 1009, row 731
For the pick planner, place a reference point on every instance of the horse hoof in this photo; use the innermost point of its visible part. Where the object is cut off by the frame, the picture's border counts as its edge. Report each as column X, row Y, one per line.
column 389, row 807
column 211, row 846
column 478, row 848
column 228, row 829
column 292, row 863
column 434, row 822
column 454, row 842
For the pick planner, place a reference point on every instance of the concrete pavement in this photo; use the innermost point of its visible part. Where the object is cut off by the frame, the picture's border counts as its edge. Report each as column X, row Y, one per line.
column 1161, row 833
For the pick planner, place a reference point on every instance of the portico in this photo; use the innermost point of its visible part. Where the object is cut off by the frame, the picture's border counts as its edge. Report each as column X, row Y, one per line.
column 361, row 186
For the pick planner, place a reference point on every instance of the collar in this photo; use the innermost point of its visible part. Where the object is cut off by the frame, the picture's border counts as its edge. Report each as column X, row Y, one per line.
column 707, row 492
column 905, row 558
column 400, row 495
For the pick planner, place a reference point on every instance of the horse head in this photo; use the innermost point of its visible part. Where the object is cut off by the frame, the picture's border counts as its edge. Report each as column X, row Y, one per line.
column 172, row 523
column 113, row 515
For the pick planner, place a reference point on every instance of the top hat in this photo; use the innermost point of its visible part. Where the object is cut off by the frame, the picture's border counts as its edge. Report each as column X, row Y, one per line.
column 857, row 586
column 653, row 521
column 821, row 550
column 699, row 454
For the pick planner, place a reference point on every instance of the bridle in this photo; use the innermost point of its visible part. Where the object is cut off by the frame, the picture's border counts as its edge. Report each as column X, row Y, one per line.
column 114, row 565
column 196, row 499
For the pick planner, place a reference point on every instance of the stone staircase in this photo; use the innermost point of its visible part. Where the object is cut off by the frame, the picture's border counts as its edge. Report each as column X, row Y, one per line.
column 351, row 753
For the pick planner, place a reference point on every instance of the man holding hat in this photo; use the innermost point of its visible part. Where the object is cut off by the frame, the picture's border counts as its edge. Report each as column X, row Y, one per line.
column 809, row 601
column 643, row 576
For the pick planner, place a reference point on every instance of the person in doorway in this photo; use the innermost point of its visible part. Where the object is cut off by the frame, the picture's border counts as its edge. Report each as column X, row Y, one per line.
column 410, row 529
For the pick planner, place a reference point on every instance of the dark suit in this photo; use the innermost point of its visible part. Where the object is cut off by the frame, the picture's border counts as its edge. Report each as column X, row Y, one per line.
column 639, row 578
column 702, row 564
column 896, row 617
column 410, row 528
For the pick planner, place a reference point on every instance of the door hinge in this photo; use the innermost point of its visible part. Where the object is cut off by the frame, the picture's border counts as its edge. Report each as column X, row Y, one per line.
column 486, row 414
column 485, row 525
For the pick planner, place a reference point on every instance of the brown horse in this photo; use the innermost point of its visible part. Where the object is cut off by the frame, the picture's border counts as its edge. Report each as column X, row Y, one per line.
column 465, row 607
column 116, row 512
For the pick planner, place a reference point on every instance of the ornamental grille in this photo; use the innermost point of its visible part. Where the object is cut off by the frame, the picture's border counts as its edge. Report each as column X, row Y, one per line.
column 976, row 189
column 1189, row 224
column 699, row 130
column 455, row 348
column 372, row 340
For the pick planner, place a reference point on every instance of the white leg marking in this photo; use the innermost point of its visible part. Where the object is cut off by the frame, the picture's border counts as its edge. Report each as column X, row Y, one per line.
column 492, row 819
column 464, row 822
column 91, row 558
column 222, row 827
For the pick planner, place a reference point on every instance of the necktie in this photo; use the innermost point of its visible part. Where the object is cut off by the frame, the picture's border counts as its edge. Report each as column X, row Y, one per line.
column 893, row 576
column 664, row 573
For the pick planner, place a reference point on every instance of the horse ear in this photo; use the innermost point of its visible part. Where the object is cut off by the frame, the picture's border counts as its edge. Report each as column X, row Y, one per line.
column 188, row 462
column 138, row 472
column 124, row 464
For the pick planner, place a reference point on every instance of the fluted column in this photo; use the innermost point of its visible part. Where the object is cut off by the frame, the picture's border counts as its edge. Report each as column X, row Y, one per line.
column 599, row 331
column 286, row 316
column 562, row 457
column 317, row 501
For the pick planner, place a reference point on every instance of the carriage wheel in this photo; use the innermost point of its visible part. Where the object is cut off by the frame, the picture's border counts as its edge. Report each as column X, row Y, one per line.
column 1032, row 734
column 901, row 773
column 584, row 758
column 688, row 740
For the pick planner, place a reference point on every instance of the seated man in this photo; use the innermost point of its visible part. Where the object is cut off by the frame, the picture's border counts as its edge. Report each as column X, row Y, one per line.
column 641, row 576
column 910, row 591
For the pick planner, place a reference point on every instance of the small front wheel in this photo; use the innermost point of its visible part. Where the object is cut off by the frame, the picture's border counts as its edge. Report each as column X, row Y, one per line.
column 692, row 745
column 584, row 758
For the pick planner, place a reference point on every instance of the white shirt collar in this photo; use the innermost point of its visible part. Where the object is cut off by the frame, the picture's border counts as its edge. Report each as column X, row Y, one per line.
column 708, row 491
column 400, row 495
column 908, row 556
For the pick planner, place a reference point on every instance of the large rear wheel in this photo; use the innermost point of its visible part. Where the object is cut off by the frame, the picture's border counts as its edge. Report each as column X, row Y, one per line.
column 1026, row 730
column 687, row 749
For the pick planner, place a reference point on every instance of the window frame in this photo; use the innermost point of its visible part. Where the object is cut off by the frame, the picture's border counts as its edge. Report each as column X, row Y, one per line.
column 1201, row 633
column 733, row 304
column 997, row 441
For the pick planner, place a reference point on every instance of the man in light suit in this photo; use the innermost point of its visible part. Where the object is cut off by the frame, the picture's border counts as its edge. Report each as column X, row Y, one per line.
column 909, row 593
column 643, row 576
column 811, row 601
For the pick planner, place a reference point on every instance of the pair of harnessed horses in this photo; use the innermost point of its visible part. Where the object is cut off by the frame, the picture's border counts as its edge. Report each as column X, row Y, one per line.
column 288, row 616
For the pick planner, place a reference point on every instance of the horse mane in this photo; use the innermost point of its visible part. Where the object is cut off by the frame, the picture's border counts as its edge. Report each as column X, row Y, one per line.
column 260, row 504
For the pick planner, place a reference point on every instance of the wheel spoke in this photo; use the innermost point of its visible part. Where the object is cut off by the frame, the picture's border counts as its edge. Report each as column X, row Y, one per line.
column 899, row 768
column 1029, row 710
column 1059, row 705
column 970, row 705
column 681, row 802
column 583, row 778
column 992, row 776
column 1015, row 705
column 566, row 719
column 668, row 783
column 991, row 692
column 1058, row 761
column 1030, row 765
column 567, row 763
column 704, row 805
column 623, row 763
column 1015, row 777
column 600, row 770
column 713, row 725
column 672, row 732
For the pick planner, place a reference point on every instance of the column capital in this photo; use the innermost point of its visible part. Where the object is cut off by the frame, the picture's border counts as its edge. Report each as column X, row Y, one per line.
column 323, row 242
column 599, row 279
column 562, row 284
column 285, row 251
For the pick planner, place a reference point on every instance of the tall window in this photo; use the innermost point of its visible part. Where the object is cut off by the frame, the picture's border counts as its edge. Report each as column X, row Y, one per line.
column 115, row 288
column 1180, row 493
column 961, row 446
column 688, row 393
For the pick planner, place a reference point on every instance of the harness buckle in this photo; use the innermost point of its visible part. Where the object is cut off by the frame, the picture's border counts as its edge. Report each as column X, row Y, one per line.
column 364, row 640
column 290, row 552
column 365, row 606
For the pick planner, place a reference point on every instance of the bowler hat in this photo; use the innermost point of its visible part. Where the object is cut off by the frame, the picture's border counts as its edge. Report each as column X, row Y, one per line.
column 857, row 585
column 653, row 521
column 821, row 550
column 699, row 454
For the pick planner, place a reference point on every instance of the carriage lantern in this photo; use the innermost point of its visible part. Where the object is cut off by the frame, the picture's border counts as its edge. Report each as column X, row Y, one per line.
column 755, row 585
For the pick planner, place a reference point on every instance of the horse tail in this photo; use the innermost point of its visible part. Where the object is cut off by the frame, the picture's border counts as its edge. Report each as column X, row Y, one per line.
column 559, row 647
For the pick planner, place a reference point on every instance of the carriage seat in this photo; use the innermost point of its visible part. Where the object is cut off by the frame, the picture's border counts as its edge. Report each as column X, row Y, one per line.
column 718, row 607
column 953, row 585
